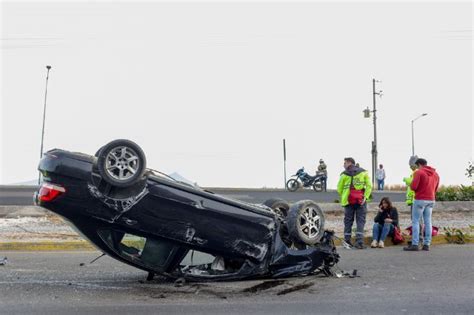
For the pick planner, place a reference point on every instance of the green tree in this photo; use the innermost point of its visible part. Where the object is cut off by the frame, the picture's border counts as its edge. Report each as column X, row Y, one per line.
column 470, row 170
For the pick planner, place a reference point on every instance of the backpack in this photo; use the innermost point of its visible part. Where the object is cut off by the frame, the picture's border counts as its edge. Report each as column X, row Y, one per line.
column 356, row 197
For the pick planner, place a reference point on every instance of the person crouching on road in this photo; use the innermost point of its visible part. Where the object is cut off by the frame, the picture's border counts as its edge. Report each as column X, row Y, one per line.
column 425, row 184
column 385, row 222
column 354, row 188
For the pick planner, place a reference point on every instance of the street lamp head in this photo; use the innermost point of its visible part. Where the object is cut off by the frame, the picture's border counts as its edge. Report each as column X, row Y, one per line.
column 48, row 67
column 366, row 113
column 422, row 115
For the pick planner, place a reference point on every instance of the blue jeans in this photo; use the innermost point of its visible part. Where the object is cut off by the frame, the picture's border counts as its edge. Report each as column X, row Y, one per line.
column 381, row 184
column 422, row 208
column 380, row 232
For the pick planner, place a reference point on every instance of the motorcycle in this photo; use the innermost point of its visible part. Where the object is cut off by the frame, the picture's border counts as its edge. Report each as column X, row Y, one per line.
column 303, row 179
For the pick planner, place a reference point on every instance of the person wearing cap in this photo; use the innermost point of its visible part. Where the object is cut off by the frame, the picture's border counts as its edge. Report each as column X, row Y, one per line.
column 410, row 195
column 354, row 188
column 322, row 169
column 425, row 184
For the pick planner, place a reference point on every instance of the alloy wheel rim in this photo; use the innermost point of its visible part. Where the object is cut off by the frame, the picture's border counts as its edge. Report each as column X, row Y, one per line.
column 122, row 163
column 310, row 222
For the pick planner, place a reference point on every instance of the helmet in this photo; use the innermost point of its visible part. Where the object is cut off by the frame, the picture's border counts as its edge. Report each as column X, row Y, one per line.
column 321, row 161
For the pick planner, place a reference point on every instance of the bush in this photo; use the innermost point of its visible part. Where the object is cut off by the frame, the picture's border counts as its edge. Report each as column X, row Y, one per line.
column 466, row 193
column 455, row 193
column 458, row 236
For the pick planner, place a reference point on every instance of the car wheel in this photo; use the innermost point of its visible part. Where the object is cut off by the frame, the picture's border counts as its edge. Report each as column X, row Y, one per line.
column 305, row 222
column 121, row 163
column 318, row 186
column 292, row 185
column 278, row 205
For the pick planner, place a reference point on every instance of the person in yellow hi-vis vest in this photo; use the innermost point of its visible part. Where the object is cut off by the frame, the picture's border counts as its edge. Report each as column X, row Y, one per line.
column 410, row 196
column 410, row 193
column 354, row 188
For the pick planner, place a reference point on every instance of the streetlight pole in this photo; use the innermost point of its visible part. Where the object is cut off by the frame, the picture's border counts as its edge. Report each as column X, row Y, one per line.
column 413, row 133
column 48, row 67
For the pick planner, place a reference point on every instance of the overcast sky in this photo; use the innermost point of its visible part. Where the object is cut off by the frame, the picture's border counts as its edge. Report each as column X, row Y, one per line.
column 209, row 90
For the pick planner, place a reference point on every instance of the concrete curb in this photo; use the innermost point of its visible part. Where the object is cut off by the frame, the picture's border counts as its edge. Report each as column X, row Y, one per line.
column 46, row 246
column 440, row 206
column 87, row 246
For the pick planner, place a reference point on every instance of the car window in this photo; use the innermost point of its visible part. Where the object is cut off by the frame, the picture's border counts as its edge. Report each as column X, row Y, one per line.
column 148, row 252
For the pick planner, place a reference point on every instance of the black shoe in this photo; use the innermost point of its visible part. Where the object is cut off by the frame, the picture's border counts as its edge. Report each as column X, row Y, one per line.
column 360, row 246
column 426, row 247
column 411, row 248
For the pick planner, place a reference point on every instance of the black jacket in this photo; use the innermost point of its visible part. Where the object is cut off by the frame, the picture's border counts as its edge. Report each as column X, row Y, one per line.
column 391, row 213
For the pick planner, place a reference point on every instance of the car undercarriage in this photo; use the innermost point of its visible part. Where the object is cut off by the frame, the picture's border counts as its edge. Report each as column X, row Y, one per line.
column 145, row 219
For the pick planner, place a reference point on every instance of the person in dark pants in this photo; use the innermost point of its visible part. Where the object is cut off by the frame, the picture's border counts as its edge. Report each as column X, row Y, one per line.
column 323, row 170
column 354, row 188
column 385, row 222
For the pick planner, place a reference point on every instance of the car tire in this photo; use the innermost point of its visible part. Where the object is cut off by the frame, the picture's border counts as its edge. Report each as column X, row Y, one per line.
column 98, row 152
column 305, row 222
column 121, row 163
column 292, row 185
column 278, row 205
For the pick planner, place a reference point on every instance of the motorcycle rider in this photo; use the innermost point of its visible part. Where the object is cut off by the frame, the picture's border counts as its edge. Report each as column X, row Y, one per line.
column 322, row 169
column 354, row 188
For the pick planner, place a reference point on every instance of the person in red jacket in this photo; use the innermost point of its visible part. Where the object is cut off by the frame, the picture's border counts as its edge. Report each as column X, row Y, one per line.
column 425, row 184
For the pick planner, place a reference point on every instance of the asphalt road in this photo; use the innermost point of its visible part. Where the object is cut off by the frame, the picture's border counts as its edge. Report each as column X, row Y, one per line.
column 23, row 196
column 391, row 282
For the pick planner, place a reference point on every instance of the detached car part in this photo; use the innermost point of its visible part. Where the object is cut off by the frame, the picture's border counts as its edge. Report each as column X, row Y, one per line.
column 150, row 221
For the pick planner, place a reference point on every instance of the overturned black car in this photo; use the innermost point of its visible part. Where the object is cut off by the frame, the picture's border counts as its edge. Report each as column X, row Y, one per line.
column 150, row 221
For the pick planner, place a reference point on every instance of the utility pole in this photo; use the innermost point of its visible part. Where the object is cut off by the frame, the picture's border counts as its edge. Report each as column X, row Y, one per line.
column 367, row 112
column 374, row 146
column 44, row 117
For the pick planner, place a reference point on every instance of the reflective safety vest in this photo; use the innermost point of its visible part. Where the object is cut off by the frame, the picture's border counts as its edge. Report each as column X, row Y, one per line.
column 361, row 181
column 410, row 196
